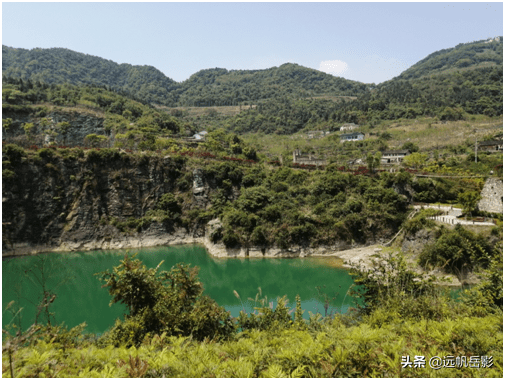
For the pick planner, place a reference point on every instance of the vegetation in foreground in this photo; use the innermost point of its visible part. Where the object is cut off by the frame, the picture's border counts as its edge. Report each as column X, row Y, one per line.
column 172, row 331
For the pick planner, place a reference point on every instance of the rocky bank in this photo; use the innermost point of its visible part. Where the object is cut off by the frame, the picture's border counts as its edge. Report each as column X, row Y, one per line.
column 86, row 200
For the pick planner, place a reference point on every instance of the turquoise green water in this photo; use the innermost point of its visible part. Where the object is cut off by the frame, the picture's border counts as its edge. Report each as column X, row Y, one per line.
column 80, row 297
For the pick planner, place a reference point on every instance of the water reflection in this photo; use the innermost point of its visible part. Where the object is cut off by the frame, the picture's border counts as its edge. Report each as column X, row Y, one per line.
column 81, row 298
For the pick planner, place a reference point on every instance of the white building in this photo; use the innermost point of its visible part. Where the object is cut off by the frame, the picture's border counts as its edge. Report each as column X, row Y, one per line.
column 200, row 135
column 355, row 136
column 394, row 156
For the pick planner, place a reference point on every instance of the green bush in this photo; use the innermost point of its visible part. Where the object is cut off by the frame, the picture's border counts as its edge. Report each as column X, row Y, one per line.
column 14, row 153
column 47, row 153
column 457, row 251
column 388, row 283
column 168, row 202
column 162, row 302
column 420, row 221
column 8, row 174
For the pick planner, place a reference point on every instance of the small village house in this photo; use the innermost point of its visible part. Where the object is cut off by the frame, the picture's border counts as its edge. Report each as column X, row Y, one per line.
column 317, row 134
column 200, row 135
column 393, row 156
column 491, row 146
column 355, row 136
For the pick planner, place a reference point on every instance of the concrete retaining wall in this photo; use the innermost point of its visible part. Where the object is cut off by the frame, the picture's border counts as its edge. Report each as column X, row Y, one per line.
column 492, row 196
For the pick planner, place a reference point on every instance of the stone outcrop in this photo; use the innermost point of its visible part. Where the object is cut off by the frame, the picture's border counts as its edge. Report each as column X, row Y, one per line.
column 492, row 196
column 415, row 243
column 220, row 250
column 75, row 202
column 81, row 125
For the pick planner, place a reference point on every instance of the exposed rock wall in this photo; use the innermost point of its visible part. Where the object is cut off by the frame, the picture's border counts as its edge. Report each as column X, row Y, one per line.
column 81, row 125
column 70, row 202
column 492, row 196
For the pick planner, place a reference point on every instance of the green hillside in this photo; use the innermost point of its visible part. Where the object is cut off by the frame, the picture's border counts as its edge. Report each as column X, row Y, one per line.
column 58, row 66
column 447, row 96
column 210, row 87
column 451, row 84
column 217, row 87
column 466, row 56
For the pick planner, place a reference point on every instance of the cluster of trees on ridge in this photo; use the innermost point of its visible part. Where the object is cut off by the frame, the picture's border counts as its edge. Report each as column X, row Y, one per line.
column 59, row 66
column 216, row 87
column 205, row 88
column 447, row 96
column 463, row 56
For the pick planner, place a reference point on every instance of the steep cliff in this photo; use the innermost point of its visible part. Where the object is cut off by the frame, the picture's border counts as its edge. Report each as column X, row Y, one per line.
column 84, row 201
column 79, row 199
column 80, row 124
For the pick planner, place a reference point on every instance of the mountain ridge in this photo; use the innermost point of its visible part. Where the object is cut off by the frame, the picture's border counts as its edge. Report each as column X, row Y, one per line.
column 463, row 55
column 61, row 65
column 454, row 80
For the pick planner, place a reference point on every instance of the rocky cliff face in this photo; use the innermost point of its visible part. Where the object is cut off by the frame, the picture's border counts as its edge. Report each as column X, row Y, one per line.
column 73, row 202
column 81, row 125
column 71, row 199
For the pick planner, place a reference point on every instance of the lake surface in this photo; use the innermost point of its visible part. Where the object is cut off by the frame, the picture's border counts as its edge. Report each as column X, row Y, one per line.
column 80, row 297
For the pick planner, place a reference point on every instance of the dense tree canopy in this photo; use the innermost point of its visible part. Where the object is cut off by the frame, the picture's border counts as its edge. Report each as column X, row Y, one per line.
column 205, row 88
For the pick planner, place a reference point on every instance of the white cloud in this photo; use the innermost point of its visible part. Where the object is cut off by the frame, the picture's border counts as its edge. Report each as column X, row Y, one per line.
column 333, row 67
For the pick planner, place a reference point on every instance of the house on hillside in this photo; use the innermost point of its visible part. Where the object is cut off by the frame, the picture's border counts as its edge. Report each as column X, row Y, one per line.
column 349, row 127
column 491, row 146
column 355, row 136
column 394, row 156
column 200, row 135
column 306, row 159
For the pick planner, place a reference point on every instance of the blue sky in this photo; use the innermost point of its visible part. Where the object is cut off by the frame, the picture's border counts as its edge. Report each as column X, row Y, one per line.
column 367, row 42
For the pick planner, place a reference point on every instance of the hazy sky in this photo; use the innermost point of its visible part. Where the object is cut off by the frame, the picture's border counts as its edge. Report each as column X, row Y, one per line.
column 367, row 42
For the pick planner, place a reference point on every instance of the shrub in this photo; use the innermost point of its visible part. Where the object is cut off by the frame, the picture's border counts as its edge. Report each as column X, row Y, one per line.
column 162, row 302
column 421, row 221
column 7, row 174
column 168, row 203
column 266, row 317
column 457, row 251
column 46, row 153
column 387, row 283
column 230, row 238
column 14, row 153
column 95, row 140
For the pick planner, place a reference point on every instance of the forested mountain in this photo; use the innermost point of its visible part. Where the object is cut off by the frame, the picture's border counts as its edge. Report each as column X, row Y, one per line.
column 58, row 66
column 205, row 88
column 462, row 57
column 224, row 87
column 448, row 84
column 448, row 96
